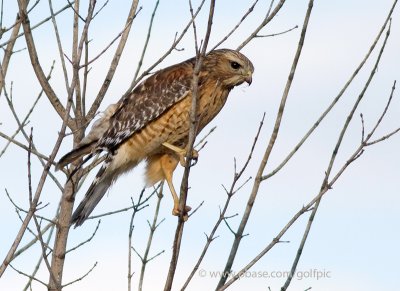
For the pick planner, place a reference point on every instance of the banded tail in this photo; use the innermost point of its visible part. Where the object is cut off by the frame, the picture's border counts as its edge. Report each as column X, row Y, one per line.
column 88, row 144
column 96, row 191
column 106, row 175
column 77, row 153
column 99, row 185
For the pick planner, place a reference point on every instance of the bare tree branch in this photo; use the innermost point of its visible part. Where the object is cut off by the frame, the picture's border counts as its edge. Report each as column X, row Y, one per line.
column 230, row 193
column 80, row 278
column 110, row 44
column 35, row 199
column 60, row 48
column 332, row 161
column 66, row 204
column 51, row 95
column 136, row 208
column 22, row 123
column 249, row 11
column 114, row 63
column 167, row 53
column 24, row 147
column 277, row 33
column 379, row 122
column 17, row 24
column 335, row 100
column 28, row 276
column 269, row 16
column 324, row 189
column 85, row 241
column 79, row 86
column 139, row 66
column 258, row 178
column 191, row 139
column 153, row 228
column 36, row 269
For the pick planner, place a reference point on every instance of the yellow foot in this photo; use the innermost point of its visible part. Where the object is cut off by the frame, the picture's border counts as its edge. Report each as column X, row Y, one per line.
column 176, row 212
column 182, row 153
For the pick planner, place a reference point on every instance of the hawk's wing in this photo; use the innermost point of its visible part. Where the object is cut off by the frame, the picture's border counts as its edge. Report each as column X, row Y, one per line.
column 147, row 102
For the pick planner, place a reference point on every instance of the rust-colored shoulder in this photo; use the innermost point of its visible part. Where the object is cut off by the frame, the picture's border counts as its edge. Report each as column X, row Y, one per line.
column 148, row 101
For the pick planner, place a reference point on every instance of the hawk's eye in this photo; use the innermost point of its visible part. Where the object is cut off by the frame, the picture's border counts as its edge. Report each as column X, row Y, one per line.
column 235, row 65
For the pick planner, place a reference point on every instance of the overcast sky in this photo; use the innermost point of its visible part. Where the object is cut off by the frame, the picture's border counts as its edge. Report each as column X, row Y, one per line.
column 354, row 239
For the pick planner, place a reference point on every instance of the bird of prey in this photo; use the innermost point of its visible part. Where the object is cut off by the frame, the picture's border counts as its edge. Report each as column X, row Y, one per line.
column 152, row 123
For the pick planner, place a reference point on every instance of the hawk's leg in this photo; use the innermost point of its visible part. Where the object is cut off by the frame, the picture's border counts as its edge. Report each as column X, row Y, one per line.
column 181, row 153
column 168, row 165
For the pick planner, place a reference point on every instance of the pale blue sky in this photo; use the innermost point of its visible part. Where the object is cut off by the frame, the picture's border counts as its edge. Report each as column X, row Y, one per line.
column 355, row 235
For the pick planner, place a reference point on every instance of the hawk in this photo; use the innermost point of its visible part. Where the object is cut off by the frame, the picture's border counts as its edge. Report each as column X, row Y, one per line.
column 152, row 124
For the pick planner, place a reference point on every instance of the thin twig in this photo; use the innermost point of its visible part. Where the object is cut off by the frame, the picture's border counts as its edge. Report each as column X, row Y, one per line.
column 196, row 46
column 39, row 232
column 380, row 120
column 18, row 238
column 167, row 53
column 205, row 137
column 274, row 135
column 227, row 224
column 20, row 209
column 76, row 11
column 250, row 10
column 36, row 269
column 136, row 208
column 153, row 228
column 195, row 210
column 28, row 276
column 85, row 241
column 8, row 51
column 277, row 33
column 14, row 38
column 36, row 153
column 100, row 9
column 268, row 17
column 131, row 227
column 32, row 242
column 139, row 66
column 21, row 125
column 111, row 42
column 114, row 63
column 325, row 185
column 386, row 136
column 59, row 45
column 24, row 122
column 142, row 205
column 41, row 77
column 210, row 238
column 86, row 71
column 362, row 127
column 335, row 100
column 80, row 278
column 44, row 246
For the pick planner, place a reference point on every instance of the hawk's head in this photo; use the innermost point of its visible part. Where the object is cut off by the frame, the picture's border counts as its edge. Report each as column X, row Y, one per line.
column 229, row 66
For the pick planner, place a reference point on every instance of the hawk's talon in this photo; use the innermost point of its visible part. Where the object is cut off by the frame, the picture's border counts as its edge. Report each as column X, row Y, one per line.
column 182, row 160
column 182, row 154
column 194, row 161
column 176, row 212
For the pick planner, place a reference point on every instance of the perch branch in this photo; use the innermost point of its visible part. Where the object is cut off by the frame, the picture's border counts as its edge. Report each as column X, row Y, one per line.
column 192, row 136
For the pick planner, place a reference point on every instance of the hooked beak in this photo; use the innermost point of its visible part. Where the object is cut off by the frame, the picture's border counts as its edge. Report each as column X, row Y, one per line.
column 248, row 78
